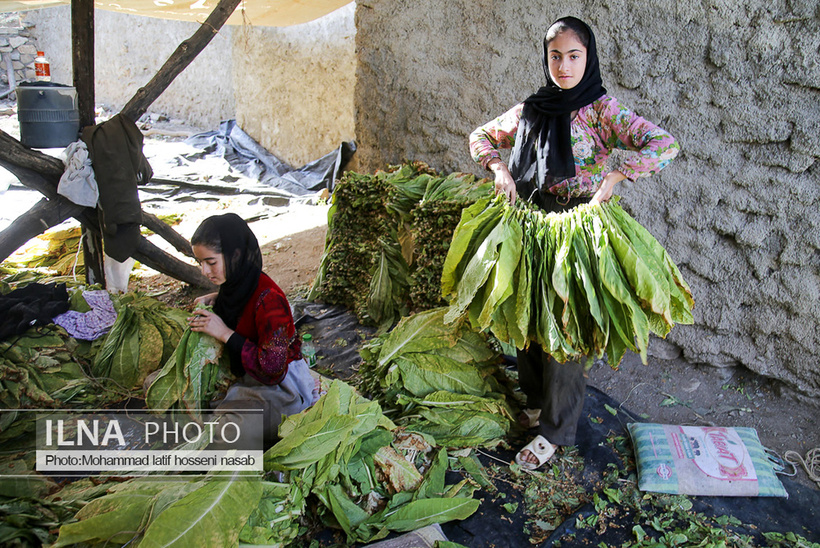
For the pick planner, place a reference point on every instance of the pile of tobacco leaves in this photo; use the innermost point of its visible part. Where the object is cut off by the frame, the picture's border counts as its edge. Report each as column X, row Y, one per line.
column 388, row 235
column 583, row 282
column 444, row 381
column 45, row 367
column 341, row 463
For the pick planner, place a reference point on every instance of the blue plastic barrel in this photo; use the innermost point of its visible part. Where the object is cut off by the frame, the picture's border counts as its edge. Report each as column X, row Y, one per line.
column 48, row 114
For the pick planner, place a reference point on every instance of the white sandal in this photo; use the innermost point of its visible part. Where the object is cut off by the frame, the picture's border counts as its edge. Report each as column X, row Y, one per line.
column 541, row 448
column 532, row 416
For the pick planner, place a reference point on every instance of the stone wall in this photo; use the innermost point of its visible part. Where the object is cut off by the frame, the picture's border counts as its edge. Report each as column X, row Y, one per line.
column 19, row 46
column 737, row 84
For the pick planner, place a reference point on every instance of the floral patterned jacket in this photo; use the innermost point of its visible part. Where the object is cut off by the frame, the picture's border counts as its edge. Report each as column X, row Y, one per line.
column 598, row 129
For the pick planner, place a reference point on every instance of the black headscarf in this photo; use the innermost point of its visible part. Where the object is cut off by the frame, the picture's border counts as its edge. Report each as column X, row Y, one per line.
column 542, row 155
column 230, row 235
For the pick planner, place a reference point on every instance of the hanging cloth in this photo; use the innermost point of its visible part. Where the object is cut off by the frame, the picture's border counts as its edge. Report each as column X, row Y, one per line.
column 115, row 148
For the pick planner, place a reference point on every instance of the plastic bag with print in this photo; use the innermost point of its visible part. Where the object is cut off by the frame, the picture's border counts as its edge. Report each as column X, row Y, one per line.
column 703, row 460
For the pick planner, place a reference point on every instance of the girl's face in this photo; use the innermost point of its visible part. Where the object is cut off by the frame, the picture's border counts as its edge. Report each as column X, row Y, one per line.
column 211, row 263
column 567, row 60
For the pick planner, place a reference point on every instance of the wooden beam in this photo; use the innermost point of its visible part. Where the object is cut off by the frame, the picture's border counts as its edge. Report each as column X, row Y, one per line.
column 170, row 235
column 82, row 61
column 181, row 58
column 153, row 257
column 42, row 216
column 15, row 153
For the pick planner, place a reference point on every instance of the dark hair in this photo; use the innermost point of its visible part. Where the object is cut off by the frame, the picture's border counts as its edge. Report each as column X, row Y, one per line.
column 568, row 23
column 207, row 234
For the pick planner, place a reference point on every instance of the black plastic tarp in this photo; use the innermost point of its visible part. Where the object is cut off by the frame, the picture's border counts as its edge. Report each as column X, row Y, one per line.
column 251, row 159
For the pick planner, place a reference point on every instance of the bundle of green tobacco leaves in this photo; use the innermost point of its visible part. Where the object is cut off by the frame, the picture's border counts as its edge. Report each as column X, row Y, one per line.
column 196, row 371
column 364, row 471
column 38, row 369
column 143, row 337
column 387, row 238
column 357, row 221
column 434, row 221
column 443, row 380
column 579, row 283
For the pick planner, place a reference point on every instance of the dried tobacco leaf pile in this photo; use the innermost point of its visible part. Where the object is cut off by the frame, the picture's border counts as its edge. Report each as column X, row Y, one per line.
column 388, row 235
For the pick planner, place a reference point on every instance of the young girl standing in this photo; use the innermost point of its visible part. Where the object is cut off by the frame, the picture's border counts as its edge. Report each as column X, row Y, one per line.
column 561, row 137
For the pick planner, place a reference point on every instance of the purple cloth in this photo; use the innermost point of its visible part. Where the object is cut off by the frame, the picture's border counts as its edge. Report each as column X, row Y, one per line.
column 93, row 324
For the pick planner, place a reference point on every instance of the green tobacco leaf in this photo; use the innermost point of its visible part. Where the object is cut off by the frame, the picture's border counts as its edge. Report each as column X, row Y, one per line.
column 115, row 518
column 433, row 483
column 347, row 513
column 310, row 443
column 641, row 277
column 466, row 234
column 476, row 272
column 420, row 513
column 213, row 515
column 380, row 298
column 150, row 348
column 422, row 374
column 420, row 332
column 460, row 428
column 502, row 275
column 166, row 389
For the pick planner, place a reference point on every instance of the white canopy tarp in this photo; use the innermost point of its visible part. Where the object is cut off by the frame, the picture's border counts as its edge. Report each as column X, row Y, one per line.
column 264, row 13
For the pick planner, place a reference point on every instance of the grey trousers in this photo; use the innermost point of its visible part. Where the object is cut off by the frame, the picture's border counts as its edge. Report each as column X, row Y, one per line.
column 557, row 389
column 294, row 394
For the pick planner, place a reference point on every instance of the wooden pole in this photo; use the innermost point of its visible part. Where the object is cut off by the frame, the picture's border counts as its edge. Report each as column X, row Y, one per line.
column 181, row 58
column 82, row 59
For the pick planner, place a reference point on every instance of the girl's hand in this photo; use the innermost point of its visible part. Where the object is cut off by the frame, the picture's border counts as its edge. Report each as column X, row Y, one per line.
column 205, row 321
column 504, row 183
column 207, row 300
column 607, row 187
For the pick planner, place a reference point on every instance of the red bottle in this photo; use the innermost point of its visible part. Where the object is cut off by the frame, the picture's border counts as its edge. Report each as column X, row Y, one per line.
column 42, row 69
